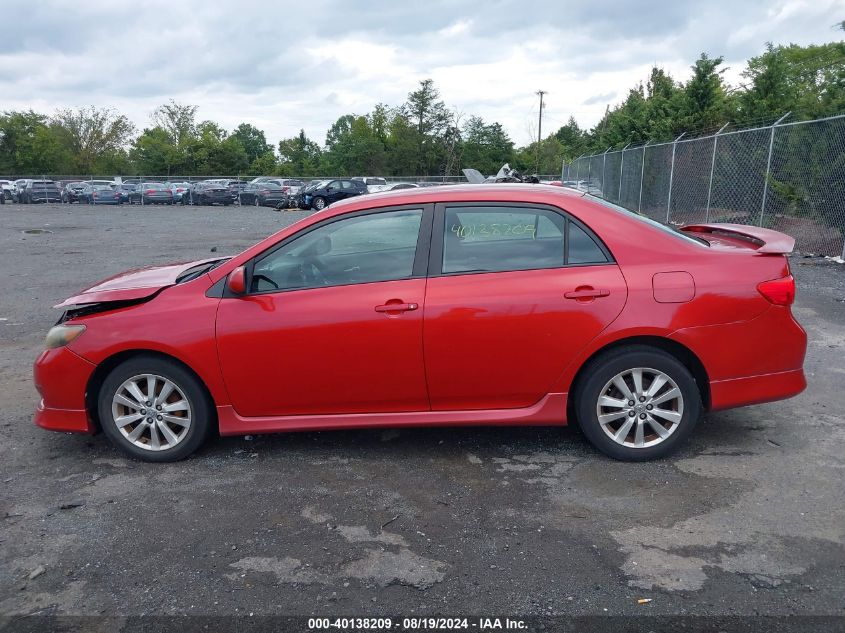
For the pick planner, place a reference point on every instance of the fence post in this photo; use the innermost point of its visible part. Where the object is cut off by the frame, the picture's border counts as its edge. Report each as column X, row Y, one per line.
column 603, row 168
column 769, row 167
column 621, row 168
column 642, row 175
column 712, row 167
column 672, row 176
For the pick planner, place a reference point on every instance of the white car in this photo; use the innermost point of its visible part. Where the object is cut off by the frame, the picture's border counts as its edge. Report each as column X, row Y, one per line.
column 373, row 183
column 7, row 188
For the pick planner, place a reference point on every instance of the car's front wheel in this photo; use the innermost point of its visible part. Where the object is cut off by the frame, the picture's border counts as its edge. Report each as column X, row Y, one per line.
column 637, row 403
column 319, row 203
column 154, row 409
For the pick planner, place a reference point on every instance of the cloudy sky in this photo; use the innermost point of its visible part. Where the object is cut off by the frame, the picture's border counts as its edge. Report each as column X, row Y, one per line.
column 283, row 66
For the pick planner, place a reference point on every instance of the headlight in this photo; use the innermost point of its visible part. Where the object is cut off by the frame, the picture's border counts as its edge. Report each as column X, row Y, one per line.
column 61, row 335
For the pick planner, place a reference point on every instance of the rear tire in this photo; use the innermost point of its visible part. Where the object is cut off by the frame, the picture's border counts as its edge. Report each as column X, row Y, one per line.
column 188, row 426
column 648, row 401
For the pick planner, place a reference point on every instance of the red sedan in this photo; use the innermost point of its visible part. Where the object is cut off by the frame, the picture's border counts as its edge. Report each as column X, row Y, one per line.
column 467, row 305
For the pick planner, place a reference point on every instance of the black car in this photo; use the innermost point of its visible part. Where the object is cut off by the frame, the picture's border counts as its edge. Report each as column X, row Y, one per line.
column 124, row 189
column 271, row 195
column 40, row 191
column 71, row 191
column 322, row 194
column 150, row 193
column 236, row 187
column 99, row 194
column 265, row 193
column 207, row 193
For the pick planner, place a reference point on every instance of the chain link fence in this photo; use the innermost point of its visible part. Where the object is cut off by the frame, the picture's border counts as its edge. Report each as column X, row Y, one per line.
column 788, row 176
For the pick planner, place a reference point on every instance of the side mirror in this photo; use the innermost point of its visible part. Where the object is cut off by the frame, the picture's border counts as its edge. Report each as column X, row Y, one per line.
column 236, row 281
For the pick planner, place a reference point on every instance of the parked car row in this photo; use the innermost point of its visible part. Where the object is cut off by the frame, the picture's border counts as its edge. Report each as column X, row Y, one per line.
column 264, row 191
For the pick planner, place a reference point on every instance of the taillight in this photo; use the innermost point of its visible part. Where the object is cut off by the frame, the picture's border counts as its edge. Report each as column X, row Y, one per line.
column 285, row 189
column 150, row 191
column 780, row 292
column 265, row 192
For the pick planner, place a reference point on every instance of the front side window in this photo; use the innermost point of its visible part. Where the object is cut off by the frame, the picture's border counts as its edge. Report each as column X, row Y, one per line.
column 360, row 249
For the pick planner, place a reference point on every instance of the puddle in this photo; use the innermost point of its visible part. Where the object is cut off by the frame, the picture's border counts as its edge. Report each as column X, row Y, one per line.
column 35, row 231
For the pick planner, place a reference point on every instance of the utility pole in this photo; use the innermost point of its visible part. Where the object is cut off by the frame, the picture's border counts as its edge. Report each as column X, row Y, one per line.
column 540, row 129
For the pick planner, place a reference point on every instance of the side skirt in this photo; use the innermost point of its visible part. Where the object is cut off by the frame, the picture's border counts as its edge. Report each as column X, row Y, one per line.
column 549, row 411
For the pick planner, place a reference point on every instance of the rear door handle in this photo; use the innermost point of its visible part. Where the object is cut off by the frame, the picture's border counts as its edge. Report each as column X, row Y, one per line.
column 397, row 307
column 586, row 293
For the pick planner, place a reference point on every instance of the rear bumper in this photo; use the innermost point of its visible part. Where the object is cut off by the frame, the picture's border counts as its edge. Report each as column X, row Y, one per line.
column 61, row 378
column 749, row 362
column 739, row 392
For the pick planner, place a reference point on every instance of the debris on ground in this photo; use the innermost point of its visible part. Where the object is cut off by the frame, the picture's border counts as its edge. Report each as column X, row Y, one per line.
column 35, row 573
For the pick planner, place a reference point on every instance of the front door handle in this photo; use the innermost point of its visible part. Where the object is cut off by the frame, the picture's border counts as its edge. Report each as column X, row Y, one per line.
column 397, row 307
column 586, row 293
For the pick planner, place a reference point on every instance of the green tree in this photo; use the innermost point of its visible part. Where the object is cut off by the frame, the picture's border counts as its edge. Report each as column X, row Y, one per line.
column 96, row 138
column 177, row 120
column 485, row 147
column 704, row 104
column 572, row 138
column 154, row 154
column 353, row 148
column 253, row 141
column 431, row 119
column 299, row 156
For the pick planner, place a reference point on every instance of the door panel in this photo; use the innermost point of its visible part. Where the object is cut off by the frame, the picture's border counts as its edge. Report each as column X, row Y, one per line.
column 324, row 350
column 499, row 340
column 333, row 323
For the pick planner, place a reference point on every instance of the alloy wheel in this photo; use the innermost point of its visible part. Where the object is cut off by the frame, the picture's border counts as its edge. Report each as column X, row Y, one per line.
column 152, row 412
column 640, row 407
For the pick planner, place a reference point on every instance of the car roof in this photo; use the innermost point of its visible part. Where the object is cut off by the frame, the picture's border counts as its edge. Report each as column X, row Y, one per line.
column 503, row 192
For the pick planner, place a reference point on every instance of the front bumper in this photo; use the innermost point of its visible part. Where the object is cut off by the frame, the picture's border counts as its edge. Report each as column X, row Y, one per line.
column 61, row 378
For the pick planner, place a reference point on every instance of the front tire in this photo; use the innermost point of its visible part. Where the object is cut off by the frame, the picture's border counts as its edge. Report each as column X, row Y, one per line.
column 154, row 409
column 637, row 403
column 319, row 203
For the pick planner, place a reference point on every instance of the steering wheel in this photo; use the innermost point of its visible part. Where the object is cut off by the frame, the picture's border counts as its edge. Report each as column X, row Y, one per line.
column 312, row 273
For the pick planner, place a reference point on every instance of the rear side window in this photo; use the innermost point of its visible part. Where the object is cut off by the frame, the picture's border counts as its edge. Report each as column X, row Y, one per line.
column 499, row 239
column 582, row 249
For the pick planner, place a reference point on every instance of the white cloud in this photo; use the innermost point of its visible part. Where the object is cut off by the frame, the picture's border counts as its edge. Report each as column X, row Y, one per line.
column 286, row 66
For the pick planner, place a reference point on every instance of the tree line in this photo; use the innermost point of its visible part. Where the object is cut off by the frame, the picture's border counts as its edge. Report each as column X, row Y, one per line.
column 424, row 136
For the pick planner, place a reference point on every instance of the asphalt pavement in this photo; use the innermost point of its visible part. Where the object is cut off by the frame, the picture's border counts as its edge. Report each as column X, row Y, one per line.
column 748, row 518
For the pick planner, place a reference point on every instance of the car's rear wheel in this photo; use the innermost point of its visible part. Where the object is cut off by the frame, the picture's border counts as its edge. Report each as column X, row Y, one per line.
column 319, row 203
column 637, row 403
column 154, row 409
column 255, row 202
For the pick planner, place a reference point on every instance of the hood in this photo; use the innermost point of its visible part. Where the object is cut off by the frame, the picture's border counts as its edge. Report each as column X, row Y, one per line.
column 139, row 283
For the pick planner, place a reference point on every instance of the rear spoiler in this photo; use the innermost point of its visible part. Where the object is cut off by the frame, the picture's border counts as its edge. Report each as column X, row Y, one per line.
column 767, row 240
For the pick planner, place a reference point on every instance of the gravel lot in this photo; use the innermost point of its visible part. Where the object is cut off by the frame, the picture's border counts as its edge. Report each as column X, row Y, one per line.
column 748, row 518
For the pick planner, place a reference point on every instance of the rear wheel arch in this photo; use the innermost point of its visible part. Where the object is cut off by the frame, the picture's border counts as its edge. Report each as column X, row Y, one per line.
column 677, row 350
column 95, row 382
